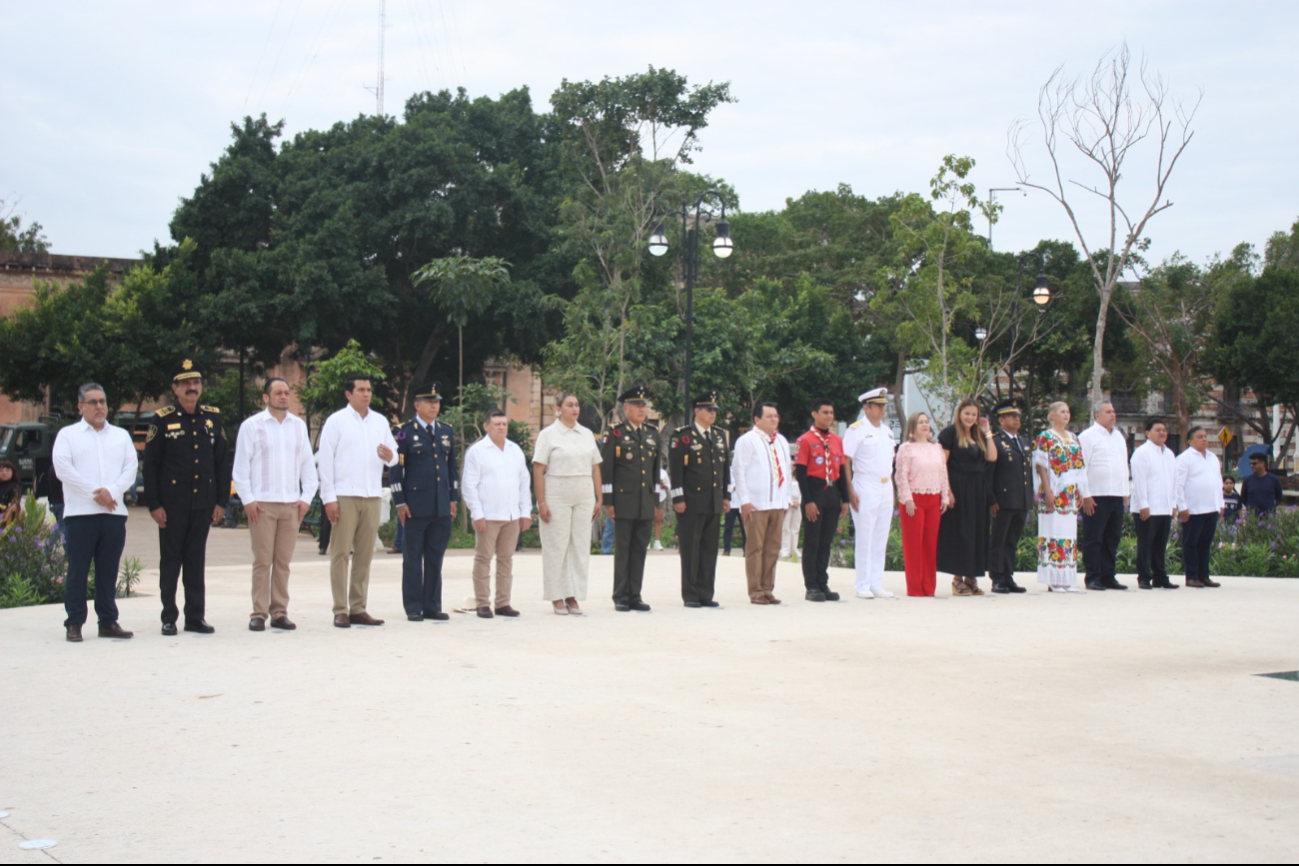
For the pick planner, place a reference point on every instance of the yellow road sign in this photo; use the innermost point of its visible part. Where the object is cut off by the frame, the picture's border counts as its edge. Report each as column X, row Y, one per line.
column 1225, row 437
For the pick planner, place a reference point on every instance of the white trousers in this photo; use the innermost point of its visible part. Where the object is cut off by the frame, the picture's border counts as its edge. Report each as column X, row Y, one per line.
column 566, row 539
column 871, row 522
column 789, row 530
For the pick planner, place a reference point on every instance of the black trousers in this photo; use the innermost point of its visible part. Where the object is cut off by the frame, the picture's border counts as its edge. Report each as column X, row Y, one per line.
column 1007, row 527
column 697, row 536
column 630, row 539
column 728, row 530
column 184, row 548
column 1100, row 541
column 326, row 529
column 1197, row 543
column 97, row 538
column 1152, row 545
column 818, row 536
column 424, row 543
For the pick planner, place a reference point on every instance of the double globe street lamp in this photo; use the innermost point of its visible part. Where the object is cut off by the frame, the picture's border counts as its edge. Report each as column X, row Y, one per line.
column 722, row 246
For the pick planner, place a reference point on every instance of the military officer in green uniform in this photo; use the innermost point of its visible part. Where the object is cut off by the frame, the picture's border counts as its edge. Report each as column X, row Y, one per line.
column 631, row 459
column 186, row 488
column 700, row 471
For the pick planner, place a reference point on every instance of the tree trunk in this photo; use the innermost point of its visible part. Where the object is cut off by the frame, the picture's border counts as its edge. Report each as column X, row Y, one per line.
column 899, row 385
column 1098, row 346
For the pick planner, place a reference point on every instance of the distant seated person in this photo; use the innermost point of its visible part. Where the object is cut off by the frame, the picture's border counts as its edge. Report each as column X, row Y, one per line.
column 11, row 492
column 1230, row 500
column 1260, row 492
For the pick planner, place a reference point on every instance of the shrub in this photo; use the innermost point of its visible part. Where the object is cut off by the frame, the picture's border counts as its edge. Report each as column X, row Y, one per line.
column 32, row 561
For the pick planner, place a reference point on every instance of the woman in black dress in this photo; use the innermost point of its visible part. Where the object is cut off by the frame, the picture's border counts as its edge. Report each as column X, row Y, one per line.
column 11, row 492
column 963, row 530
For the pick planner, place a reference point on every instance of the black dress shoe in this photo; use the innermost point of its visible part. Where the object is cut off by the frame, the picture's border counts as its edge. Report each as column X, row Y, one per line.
column 1015, row 587
column 115, row 630
column 1143, row 583
column 169, row 629
column 201, row 627
column 710, row 604
column 1164, row 584
column 485, row 612
column 622, row 608
column 415, row 617
column 1114, row 584
column 257, row 624
column 830, row 595
column 815, row 595
column 640, row 606
column 283, row 622
column 693, row 604
column 438, row 617
column 74, row 634
column 1093, row 586
column 1001, row 589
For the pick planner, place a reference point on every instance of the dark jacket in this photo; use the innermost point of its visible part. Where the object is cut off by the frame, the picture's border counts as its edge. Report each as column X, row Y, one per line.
column 426, row 478
column 185, row 465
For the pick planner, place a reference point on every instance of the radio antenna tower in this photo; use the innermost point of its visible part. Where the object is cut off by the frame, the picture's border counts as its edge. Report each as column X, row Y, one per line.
column 377, row 90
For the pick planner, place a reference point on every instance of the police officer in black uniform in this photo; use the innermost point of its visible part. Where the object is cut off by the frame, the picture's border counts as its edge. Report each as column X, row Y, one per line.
column 700, row 468
column 425, row 488
column 1012, row 487
column 630, row 465
column 186, row 487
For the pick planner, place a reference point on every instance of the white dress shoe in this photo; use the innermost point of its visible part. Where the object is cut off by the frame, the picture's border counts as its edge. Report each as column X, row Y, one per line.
column 882, row 593
column 865, row 593
column 658, row 545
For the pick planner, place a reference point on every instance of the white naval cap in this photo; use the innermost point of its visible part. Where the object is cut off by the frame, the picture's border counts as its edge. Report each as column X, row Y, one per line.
column 875, row 395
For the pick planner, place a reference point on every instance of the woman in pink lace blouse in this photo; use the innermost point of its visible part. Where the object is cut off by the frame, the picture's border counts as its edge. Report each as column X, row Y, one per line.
column 923, row 495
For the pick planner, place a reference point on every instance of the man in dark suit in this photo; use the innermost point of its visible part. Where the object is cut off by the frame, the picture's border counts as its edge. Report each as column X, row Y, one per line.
column 186, row 488
column 1012, row 486
column 700, row 468
column 425, row 488
column 630, row 467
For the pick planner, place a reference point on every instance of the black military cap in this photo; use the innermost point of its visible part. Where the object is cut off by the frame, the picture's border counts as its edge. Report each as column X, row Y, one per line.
column 706, row 400
column 1005, row 407
column 186, row 369
column 431, row 391
column 635, row 394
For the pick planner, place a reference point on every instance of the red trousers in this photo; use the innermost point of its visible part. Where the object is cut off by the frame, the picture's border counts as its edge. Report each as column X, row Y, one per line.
column 920, row 543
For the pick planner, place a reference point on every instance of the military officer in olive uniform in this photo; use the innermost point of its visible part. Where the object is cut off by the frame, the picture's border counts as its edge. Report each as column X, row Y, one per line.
column 700, row 470
column 425, row 488
column 631, row 461
column 186, row 488
column 1012, row 487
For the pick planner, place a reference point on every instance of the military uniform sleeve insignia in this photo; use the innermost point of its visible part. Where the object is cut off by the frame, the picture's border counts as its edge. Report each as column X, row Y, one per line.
column 153, row 431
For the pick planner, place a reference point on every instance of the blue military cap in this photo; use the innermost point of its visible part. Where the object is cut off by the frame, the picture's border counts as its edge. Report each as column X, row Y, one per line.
column 431, row 391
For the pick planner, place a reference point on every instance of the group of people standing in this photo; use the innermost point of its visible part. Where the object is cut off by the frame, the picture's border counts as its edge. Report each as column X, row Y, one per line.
column 963, row 500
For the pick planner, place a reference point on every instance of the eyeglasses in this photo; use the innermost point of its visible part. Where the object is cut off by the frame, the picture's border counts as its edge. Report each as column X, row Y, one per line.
column 95, row 402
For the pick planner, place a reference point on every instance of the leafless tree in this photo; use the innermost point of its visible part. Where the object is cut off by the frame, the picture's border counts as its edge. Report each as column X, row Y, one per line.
column 1105, row 121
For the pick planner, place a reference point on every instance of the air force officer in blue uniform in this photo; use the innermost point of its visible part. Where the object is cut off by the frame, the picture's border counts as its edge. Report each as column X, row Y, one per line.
column 425, row 488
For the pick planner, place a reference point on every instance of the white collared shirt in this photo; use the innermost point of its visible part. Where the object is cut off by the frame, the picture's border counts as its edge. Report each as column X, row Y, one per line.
column 273, row 460
column 86, row 459
column 1197, row 484
column 349, row 463
column 870, row 449
column 1105, row 454
column 1153, row 470
column 495, row 483
column 762, row 476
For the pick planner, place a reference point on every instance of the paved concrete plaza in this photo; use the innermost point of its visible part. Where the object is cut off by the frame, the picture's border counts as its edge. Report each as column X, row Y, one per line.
column 1103, row 726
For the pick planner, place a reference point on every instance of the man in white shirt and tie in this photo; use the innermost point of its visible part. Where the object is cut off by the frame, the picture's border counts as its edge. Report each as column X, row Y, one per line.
column 868, row 454
column 1105, row 455
column 355, row 445
column 275, row 477
column 96, row 463
column 1197, row 493
column 763, row 478
column 496, row 486
column 1153, row 470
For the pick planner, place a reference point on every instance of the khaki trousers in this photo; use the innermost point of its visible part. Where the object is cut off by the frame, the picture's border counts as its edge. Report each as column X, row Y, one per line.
column 566, row 539
column 353, row 535
column 498, row 539
column 274, row 536
column 762, row 550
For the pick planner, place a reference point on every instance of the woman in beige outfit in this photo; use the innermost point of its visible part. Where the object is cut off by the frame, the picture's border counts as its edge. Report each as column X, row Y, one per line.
column 566, row 476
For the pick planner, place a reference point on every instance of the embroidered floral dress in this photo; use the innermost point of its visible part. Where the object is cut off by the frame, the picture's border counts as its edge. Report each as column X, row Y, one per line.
column 1057, row 532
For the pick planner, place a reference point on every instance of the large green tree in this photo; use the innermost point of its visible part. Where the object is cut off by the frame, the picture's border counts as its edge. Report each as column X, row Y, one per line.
column 17, row 239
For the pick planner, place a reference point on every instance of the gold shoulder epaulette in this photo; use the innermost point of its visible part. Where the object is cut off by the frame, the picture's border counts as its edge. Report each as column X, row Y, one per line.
column 164, row 411
column 856, row 424
column 214, row 410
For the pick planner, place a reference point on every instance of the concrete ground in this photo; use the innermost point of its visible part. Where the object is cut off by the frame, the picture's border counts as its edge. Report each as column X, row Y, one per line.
column 1103, row 726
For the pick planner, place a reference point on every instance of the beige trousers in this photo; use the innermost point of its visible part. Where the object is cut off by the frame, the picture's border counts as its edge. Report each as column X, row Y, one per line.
column 762, row 550
column 353, row 535
column 274, row 536
column 498, row 540
column 566, row 539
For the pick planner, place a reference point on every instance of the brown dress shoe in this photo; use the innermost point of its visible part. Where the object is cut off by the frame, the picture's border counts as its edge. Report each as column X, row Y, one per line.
column 283, row 622
column 485, row 612
column 364, row 618
column 342, row 620
column 506, row 611
column 1195, row 584
column 1210, row 583
column 74, row 634
column 759, row 599
column 115, row 630
column 771, row 599
column 257, row 624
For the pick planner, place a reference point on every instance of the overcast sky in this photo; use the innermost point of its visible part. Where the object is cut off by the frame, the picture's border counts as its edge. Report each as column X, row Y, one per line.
column 109, row 112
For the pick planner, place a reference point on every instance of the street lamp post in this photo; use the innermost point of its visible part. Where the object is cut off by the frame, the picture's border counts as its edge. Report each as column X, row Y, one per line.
column 1041, row 297
column 722, row 248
